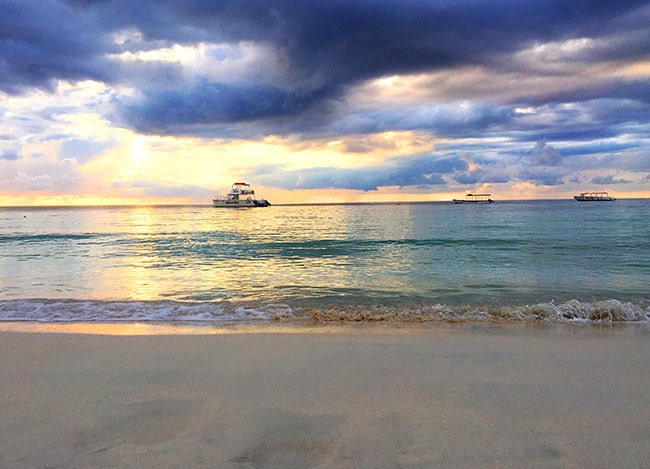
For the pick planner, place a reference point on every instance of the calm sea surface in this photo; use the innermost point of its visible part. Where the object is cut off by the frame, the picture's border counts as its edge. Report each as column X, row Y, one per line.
column 531, row 260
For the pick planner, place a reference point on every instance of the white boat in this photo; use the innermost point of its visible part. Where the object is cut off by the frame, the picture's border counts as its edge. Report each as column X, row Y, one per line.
column 475, row 199
column 594, row 197
column 241, row 195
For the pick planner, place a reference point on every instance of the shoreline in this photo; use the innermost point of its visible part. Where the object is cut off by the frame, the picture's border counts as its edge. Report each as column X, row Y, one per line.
column 228, row 313
column 136, row 328
column 446, row 395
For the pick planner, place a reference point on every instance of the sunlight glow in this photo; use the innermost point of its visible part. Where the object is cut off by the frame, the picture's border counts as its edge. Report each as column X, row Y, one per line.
column 128, row 168
column 558, row 50
column 176, row 53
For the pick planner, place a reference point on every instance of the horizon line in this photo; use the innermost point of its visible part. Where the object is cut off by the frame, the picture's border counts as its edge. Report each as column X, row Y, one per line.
column 396, row 202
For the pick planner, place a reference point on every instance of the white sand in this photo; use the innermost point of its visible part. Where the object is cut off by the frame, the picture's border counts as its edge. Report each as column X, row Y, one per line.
column 423, row 396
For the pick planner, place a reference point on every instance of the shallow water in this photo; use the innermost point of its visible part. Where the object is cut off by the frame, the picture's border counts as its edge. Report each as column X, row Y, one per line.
column 524, row 260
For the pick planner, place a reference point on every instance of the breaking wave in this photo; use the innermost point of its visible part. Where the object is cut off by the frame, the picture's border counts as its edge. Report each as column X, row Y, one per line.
column 93, row 311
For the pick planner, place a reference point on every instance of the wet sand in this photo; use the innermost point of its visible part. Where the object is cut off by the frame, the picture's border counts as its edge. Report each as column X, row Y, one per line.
column 457, row 395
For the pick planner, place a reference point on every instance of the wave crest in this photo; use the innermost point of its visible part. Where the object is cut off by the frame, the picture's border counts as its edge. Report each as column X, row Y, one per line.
column 575, row 311
column 610, row 310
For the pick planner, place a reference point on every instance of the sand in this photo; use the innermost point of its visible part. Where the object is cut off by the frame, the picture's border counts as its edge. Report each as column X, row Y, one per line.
column 457, row 395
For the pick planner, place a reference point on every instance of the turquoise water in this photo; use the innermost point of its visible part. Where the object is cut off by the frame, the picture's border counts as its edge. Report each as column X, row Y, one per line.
column 523, row 260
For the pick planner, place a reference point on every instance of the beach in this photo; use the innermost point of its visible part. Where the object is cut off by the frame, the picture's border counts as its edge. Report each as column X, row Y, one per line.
column 441, row 395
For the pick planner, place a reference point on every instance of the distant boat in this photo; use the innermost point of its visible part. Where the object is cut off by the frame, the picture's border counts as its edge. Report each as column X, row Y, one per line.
column 594, row 197
column 475, row 199
column 241, row 195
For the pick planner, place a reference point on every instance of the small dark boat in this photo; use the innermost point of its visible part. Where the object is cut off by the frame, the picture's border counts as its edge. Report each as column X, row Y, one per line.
column 594, row 197
column 475, row 199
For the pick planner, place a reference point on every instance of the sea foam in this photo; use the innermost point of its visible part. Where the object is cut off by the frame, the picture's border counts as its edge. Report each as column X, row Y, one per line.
column 573, row 311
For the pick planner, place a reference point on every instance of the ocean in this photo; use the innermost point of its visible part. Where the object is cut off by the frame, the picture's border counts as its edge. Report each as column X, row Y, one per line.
column 542, row 260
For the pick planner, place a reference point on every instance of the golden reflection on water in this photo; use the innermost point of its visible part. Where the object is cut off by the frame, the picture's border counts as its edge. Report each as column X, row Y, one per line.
column 211, row 254
column 132, row 276
column 206, row 252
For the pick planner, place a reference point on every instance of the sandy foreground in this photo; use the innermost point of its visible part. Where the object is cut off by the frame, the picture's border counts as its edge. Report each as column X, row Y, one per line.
column 343, row 396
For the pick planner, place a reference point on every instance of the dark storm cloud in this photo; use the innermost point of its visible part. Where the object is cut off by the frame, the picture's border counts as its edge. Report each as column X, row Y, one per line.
column 608, row 179
column 567, row 132
column 449, row 120
column 41, row 41
column 326, row 46
column 501, row 76
column 624, row 90
column 206, row 103
column 598, row 148
column 422, row 170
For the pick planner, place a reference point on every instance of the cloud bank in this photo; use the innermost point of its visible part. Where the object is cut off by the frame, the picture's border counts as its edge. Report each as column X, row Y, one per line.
column 517, row 91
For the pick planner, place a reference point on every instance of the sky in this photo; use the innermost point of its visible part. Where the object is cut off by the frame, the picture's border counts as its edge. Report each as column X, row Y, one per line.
column 167, row 101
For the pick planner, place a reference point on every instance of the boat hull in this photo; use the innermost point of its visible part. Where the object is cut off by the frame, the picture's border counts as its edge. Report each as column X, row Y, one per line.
column 460, row 201
column 593, row 199
column 474, row 199
column 233, row 203
column 248, row 203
